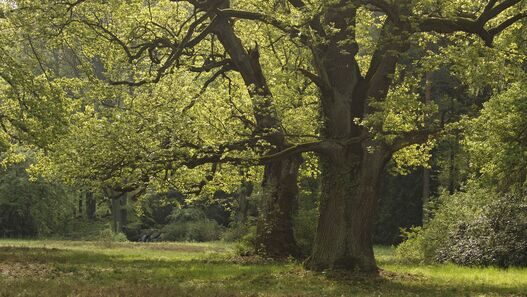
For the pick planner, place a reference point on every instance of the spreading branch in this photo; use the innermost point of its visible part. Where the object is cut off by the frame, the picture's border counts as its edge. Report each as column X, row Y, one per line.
column 413, row 137
column 256, row 16
column 473, row 26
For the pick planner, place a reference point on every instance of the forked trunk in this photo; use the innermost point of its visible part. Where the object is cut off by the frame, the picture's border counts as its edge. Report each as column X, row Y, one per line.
column 274, row 235
column 350, row 184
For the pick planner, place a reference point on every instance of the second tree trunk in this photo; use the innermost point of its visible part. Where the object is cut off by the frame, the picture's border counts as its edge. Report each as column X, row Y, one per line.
column 274, row 235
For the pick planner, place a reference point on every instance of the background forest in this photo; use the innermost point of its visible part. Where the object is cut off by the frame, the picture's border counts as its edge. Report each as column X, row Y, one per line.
column 298, row 129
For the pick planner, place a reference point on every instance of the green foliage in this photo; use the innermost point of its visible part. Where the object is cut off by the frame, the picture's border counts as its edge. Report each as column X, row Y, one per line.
column 304, row 228
column 83, row 229
column 236, row 231
column 497, row 139
column 183, row 215
column 108, row 236
column 413, row 249
column 120, row 237
column 497, row 237
column 483, row 225
column 33, row 208
column 199, row 231
column 190, row 224
column 449, row 211
column 34, row 107
column 473, row 227
column 247, row 244
column 400, row 205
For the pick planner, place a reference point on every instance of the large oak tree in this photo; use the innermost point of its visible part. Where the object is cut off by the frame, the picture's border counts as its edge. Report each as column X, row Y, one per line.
column 355, row 71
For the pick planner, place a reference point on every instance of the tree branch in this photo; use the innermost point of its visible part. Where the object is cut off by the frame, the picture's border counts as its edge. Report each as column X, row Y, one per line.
column 384, row 6
column 222, row 71
column 492, row 10
column 412, row 137
column 188, row 41
column 317, row 80
column 249, row 15
column 209, row 66
column 314, row 23
column 323, row 146
column 507, row 23
column 456, row 24
column 293, row 150
column 474, row 26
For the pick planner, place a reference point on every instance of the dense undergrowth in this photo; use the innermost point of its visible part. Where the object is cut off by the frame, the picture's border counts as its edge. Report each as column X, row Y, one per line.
column 474, row 227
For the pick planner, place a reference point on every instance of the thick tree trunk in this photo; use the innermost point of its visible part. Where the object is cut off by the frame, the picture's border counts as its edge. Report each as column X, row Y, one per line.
column 116, row 215
column 350, row 184
column 274, row 236
column 124, row 210
column 245, row 191
column 119, row 213
column 91, row 206
column 350, row 173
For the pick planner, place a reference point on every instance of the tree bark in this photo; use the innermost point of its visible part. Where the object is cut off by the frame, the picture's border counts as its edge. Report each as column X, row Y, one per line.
column 124, row 210
column 119, row 213
column 244, row 192
column 91, row 206
column 116, row 215
column 350, row 184
column 350, row 173
column 275, row 220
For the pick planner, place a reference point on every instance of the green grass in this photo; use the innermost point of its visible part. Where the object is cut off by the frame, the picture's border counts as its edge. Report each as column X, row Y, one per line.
column 60, row 268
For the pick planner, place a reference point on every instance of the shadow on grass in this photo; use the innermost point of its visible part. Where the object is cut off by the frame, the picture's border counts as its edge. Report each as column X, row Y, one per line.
column 116, row 275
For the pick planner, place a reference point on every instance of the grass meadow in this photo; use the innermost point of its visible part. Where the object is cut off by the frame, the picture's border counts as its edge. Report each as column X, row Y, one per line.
column 75, row 268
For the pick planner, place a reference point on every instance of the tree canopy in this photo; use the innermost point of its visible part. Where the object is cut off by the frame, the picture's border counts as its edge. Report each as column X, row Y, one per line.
column 205, row 95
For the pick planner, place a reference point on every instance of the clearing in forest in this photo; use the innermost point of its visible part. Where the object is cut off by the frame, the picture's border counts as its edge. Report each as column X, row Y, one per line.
column 60, row 268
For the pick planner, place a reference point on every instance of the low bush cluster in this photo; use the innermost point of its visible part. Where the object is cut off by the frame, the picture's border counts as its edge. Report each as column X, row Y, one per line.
column 191, row 224
column 205, row 230
column 107, row 238
column 236, row 231
column 476, row 227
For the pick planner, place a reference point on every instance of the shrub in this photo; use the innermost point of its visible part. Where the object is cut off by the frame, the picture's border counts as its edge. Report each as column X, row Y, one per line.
column 33, row 208
column 412, row 249
column 235, row 232
column 182, row 215
column 107, row 237
column 119, row 237
column 84, row 229
column 475, row 227
column 191, row 225
column 497, row 237
column 247, row 245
